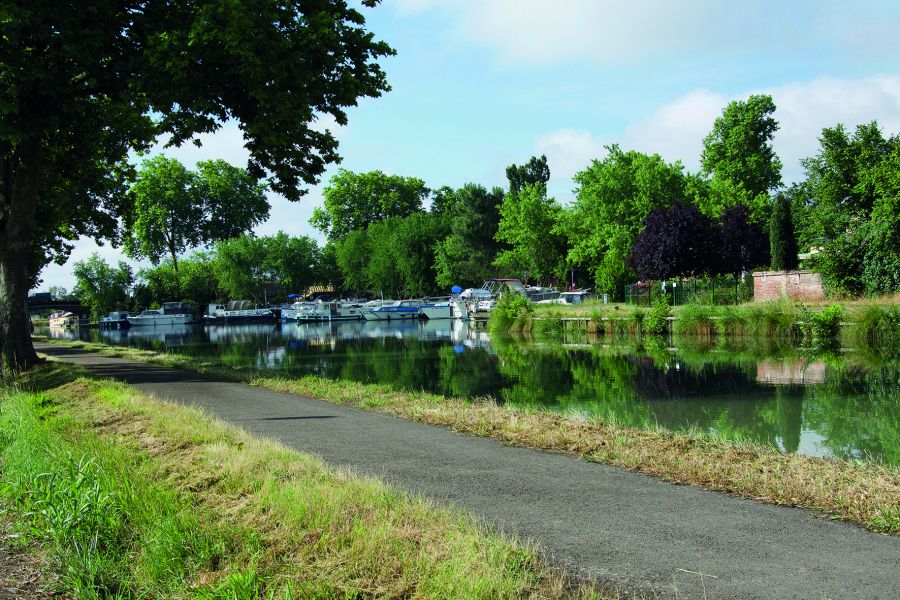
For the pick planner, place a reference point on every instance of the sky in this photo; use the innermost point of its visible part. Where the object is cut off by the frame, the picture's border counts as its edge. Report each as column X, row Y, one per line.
column 480, row 84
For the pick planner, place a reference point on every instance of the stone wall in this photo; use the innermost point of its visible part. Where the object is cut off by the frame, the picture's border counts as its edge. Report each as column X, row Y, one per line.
column 797, row 285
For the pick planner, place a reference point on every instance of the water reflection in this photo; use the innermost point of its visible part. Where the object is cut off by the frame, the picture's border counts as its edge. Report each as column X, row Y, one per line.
column 837, row 405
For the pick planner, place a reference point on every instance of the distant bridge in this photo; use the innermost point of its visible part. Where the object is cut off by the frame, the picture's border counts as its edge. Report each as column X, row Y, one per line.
column 36, row 303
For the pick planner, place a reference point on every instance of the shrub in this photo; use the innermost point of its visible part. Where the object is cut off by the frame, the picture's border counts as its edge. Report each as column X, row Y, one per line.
column 510, row 313
column 877, row 326
column 656, row 322
column 823, row 325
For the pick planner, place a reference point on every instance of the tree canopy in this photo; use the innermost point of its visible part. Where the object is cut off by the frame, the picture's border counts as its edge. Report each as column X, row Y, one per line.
column 174, row 209
column 356, row 200
column 739, row 147
column 100, row 287
column 82, row 88
column 613, row 197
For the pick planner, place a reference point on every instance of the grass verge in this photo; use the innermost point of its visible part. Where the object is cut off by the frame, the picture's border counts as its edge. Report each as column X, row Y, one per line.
column 139, row 498
column 859, row 491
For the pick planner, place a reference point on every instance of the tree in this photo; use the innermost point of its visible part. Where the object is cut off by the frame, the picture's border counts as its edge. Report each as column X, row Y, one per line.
column 613, row 198
column 293, row 262
column 233, row 202
column 535, row 171
column 742, row 243
column 174, row 209
column 529, row 224
column 679, row 240
column 100, row 287
column 356, row 200
column 58, row 292
column 352, row 258
column 415, row 238
column 83, row 88
column 781, row 236
column 240, row 267
column 739, row 149
column 382, row 272
column 464, row 257
column 167, row 212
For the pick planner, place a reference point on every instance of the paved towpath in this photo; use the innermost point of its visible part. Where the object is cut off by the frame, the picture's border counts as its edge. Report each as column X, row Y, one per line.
column 636, row 531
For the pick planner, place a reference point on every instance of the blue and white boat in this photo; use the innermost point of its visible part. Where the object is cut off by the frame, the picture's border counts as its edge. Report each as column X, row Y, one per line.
column 402, row 309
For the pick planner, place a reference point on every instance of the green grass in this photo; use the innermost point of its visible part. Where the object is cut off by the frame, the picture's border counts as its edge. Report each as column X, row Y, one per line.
column 859, row 491
column 134, row 497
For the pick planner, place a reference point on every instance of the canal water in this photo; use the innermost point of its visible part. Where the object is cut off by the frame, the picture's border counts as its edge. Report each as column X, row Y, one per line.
column 843, row 403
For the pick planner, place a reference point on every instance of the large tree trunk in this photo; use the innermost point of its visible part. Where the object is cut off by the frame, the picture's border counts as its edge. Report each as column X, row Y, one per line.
column 20, row 180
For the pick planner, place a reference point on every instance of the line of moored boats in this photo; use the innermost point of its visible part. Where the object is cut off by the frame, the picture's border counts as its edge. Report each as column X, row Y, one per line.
column 469, row 304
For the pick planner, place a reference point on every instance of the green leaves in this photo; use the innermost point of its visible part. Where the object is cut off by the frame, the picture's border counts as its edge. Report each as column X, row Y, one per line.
column 356, row 200
column 739, row 148
column 174, row 209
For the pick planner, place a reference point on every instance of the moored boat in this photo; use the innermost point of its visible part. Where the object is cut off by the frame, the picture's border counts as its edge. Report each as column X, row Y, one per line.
column 171, row 313
column 63, row 319
column 239, row 311
column 331, row 311
column 402, row 309
column 114, row 320
column 437, row 308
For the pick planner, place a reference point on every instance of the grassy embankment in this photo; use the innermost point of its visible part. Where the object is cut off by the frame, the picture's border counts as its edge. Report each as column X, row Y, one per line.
column 132, row 497
column 857, row 491
column 864, row 322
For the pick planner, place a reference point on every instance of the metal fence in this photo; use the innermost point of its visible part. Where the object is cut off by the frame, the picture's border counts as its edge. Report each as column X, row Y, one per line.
column 725, row 290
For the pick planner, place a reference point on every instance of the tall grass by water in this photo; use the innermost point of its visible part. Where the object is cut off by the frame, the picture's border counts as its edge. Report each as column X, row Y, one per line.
column 133, row 497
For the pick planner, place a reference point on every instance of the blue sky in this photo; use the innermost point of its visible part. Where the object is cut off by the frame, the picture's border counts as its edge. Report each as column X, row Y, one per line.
column 479, row 84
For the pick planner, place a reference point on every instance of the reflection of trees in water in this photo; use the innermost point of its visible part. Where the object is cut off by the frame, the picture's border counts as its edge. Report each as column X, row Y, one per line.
column 857, row 413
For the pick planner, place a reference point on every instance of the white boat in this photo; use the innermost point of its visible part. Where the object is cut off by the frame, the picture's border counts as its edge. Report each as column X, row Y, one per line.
column 63, row 319
column 239, row 311
column 290, row 312
column 171, row 313
column 402, row 309
column 114, row 320
column 436, row 308
column 330, row 311
column 576, row 297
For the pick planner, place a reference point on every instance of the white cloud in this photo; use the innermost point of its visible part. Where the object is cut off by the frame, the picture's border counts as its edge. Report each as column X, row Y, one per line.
column 612, row 31
column 676, row 129
column 568, row 151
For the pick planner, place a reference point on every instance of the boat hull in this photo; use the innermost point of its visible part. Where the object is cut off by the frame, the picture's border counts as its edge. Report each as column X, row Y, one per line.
column 153, row 321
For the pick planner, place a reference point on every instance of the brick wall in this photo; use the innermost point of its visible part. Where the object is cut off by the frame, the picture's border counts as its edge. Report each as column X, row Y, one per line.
column 797, row 285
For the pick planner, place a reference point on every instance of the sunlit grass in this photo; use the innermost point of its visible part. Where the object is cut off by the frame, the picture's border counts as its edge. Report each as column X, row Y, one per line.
column 140, row 498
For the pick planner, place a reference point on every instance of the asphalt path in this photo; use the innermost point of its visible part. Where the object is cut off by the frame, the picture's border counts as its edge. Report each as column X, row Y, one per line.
column 633, row 531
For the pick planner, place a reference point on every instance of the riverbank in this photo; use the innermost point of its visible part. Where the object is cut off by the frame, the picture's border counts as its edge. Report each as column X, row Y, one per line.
column 130, row 495
column 872, row 322
column 857, row 491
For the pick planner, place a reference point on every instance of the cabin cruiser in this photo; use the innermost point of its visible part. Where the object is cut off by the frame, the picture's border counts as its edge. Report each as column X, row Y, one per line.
column 239, row 311
column 437, row 308
column 330, row 311
column 402, row 309
column 289, row 312
column 63, row 319
column 114, row 320
column 171, row 313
